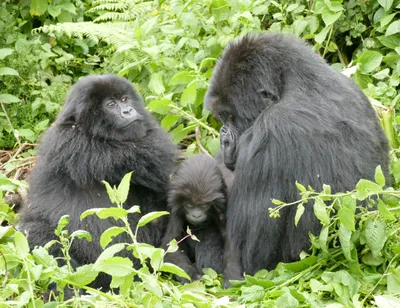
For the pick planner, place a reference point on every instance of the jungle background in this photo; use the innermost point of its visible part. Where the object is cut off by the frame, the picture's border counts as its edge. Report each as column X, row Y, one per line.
column 168, row 50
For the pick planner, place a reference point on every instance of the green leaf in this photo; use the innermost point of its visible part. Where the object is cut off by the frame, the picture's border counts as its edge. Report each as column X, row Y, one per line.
column 54, row 10
column 84, row 275
column 149, row 217
column 27, row 133
column 346, row 217
column 62, row 223
column 299, row 213
column 386, row 301
column 321, row 211
column 160, row 106
column 300, row 187
column 172, row 246
column 323, row 239
column 8, row 98
column 345, row 241
column 6, row 231
column 252, row 294
column 329, row 17
column 386, row 4
column 375, row 236
column 169, row 120
column 179, row 133
column 38, row 7
column 156, row 259
column 189, row 94
column 379, row 177
column 81, row 234
column 5, row 52
column 320, row 37
column 393, row 28
column 301, row 265
column 156, row 84
column 69, row 7
column 367, row 188
column 383, row 210
column 108, row 235
column 8, row 71
column 115, row 212
column 21, row 245
column 115, row 266
column 173, row 269
column 110, row 251
column 387, row 19
column 134, row 209
column 369, row 60
column 123, row 188
column 112, row 194
column 392, row 41
column 349, row 202
column 277, row 202
column 41, row 126
column 182, row 78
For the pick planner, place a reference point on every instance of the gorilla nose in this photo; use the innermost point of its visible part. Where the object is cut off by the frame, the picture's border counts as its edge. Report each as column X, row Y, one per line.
column 128, row 111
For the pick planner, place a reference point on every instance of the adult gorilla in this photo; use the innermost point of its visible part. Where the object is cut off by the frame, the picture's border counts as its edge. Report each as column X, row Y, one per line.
column 288, row 116
column 102, row 133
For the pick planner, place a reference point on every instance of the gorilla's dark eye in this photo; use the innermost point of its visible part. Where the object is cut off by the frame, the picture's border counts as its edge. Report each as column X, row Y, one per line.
column 124, row 99
column 111, row 104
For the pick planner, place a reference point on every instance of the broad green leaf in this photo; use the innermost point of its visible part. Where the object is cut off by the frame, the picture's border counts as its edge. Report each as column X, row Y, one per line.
column 188, row 96
column 179, row 133
column 182, row 78
column 383, row 210
column 110, row 252
column 387, row 19
column 27, row 133
column 123, row 188
column 379, row 177
column 84, row 275
column 169, row 120
column 149, row 217
column 320, row 37
column 21, row 245
column 347, row 280
column 299, row 213
column 41, row 126
column 42, row 256
column 345, row 241
column 213, row 145
column 134, row 209
column 252, row 294
column 173, row 246
column 4, row 52
column 81, row 234
column 386, row 301
column 301, row 265
column 173, row 269
column 6, row 231
column 8, row 98
column 114, row 212
column 8, row 71
column 392, row 41
column 160, row 106
column 108, row 235
column 152, row 285
column 346, row 217
column 369, row 60
column 349, row 202
column 393, row 28
column 323, row 239
column 300, row 187
column 277, row 202
column 115, row 266
column 265, row 283
column 375, row 236
column 386, row 4
column 54, row 10
column 69, row 7
column 287, row 300
column 112, row 194
column 156, row 84
column 156, row 259
column 329, row 17
column 38, row 7
column 321, row 211
column 367, row 188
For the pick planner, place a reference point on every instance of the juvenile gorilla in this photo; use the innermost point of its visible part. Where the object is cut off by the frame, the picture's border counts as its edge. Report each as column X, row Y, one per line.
column 197, row 198
column 102, row 133
column 287, row 116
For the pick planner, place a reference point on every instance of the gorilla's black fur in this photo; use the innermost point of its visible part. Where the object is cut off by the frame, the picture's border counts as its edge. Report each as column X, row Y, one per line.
column 288, row 116
column 102, row 133
column 197, row 198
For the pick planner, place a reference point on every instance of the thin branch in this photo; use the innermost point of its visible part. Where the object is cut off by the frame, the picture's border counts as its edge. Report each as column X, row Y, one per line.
column 16, row 135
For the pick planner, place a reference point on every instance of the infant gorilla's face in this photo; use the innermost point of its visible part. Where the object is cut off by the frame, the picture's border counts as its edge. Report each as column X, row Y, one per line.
column 196, row 214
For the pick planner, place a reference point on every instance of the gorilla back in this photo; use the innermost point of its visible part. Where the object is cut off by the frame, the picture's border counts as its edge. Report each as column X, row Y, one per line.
column 102, row 133
column 288, row 116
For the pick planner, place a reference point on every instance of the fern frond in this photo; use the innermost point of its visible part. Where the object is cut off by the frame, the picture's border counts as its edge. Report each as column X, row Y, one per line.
column 114, row 16
column 109, row 7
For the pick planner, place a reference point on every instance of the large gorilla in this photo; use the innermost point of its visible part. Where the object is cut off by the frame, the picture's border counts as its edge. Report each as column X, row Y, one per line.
column 102, row 133
column 287, row 116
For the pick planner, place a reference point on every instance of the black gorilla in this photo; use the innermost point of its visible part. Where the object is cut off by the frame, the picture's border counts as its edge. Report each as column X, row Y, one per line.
column 288, row 116
column 197, row 198
column 102, row 133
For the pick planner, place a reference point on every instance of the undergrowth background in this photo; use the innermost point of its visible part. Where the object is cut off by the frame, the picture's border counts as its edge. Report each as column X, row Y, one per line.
column 168, row 50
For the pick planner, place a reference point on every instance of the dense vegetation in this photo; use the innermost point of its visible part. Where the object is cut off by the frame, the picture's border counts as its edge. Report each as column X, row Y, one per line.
column 168, row 49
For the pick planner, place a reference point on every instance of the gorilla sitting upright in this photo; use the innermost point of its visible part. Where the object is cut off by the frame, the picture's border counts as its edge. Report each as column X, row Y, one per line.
column 102, row 133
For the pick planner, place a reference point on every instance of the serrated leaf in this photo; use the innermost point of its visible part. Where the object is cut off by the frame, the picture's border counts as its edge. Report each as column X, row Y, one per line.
column 173, row 269
column 321, row 211
column 149, row 217
column 84, row 275
column 182, row 78
column 379, row 177
column 5, row 52
column 108, row 235
column 299, row 213
column 123, row 188
column 189, row 94
column 160, row 106
column 156, row 84
column 345, row 241
column 21, row 245
column 81, row 234
column 346, row 217
column 252, row 294
column 367, row 188
column 375, row 236
column 115, row 266
column 369, row 60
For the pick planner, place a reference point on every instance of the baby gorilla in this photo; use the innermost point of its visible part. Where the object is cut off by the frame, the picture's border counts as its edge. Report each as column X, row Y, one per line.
column 197, row 198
